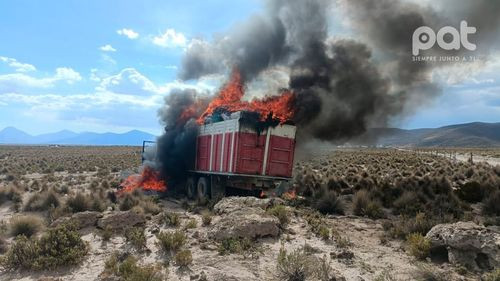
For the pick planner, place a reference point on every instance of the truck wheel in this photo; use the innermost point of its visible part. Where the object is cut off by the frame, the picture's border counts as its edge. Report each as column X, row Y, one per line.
column 190, row 188
column 202, row 190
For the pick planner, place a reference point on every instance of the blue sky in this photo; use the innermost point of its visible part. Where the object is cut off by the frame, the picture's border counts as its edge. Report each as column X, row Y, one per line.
column 106, row 65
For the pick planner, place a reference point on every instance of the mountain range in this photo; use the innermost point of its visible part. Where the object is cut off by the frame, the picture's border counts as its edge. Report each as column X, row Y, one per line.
column 476, row 134
column 11, row 135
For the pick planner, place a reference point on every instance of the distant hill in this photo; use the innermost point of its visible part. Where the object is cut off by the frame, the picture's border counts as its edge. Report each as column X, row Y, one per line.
column 11, row 135
column 476, row 134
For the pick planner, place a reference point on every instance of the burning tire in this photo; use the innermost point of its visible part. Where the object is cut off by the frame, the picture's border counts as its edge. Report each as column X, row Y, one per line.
column 190, row 188
column 203, row 188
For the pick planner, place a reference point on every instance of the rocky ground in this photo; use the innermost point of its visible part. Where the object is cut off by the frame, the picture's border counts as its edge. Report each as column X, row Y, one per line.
column 246, row 238
column 357, row 254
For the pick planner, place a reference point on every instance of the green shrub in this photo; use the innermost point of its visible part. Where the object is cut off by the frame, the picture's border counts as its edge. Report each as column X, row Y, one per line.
column 3, row 245
column 403, row 226
column 191, row 224
column 235, row 246
column 26, row 225
column 418, row 245
column 206, row 218
column 150, row 207
column 42, row 201
column 360, row 202
column 60, row 246
column 10, row 194
column 128, row 201
column 171, row 219
column 280, row 212
column 324, row 232
column 183, row 258
column 129, row 270
column 491, row 205
column 493, row 276
column 106, row 233
column 327, row 202
column 136, row 237
column 295, row 266
column 79, row 203
column 471, row 192
column 171, row 242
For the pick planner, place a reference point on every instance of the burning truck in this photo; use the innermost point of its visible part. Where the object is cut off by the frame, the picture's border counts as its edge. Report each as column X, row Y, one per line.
column 239, row 151
column 225, row 145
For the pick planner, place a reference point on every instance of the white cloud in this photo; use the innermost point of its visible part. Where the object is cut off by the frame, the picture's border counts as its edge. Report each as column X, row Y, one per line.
column 94, row 76
column 67, row 74
column 128, row 32
column 129, row 82
column 107, row 48
column 18, row 66
column 14, row 82
column 170, row 39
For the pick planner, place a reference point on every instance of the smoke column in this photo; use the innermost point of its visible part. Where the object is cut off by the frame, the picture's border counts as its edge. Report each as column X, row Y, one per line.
column 342, row 87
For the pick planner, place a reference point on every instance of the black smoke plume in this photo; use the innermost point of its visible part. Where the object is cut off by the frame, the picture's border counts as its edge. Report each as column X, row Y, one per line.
column 342, row 86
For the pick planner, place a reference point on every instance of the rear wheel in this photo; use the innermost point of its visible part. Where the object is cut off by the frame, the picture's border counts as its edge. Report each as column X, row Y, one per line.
column 203, row 189
column 190, row 188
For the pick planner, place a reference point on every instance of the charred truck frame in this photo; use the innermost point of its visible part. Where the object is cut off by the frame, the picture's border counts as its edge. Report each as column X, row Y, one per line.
column 238, row 151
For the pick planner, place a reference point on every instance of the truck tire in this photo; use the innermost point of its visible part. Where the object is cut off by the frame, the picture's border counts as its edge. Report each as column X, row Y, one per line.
column 190, row 188
column 202, row 189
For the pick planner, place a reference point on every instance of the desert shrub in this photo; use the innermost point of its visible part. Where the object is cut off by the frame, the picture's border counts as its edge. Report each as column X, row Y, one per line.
column 327, row 202
column 410, row 203
column 136, row 237
column 171, row 242
column 206, row 218
column 3, row 246
column 128, row 201
column 235, row 245
column 42, row 201
column 341, row 241
column 10, row 194
column 491, row 205
column 171, row 219
column 494, row 275
column 129, row 270
column 79, row 203
column 470, row 192
column 418, row 245
column 191, row 224
column 364, row 205
column 295, row 266
column 403, row 226
column 280, row 212
column 27, row 225
column 106, row 233
column 183, row 258
column 150, row 207
column 60, row 246
column 318, row 225
column 98, row 204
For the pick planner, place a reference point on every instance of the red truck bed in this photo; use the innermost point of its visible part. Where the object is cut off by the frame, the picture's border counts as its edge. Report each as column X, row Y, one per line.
column 235, row 147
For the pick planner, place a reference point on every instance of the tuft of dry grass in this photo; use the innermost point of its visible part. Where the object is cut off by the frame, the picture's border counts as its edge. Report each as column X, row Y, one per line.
column 27, row 225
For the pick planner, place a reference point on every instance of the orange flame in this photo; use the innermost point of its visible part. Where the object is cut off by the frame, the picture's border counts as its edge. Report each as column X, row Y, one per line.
column 149, row 179
column 289, row 195
column 276, row 107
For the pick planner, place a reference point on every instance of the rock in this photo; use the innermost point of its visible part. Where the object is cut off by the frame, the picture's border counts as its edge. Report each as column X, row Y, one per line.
column 244, row 217
column 81, row 219
column 120, row 220
column 466, row 243
column 230, row 204
column 246, row 223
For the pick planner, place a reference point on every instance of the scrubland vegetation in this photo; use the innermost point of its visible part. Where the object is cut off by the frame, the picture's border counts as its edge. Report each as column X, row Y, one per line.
column 52, row 197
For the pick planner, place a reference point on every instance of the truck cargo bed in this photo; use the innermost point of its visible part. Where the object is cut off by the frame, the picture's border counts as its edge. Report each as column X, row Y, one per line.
column 234, row 146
